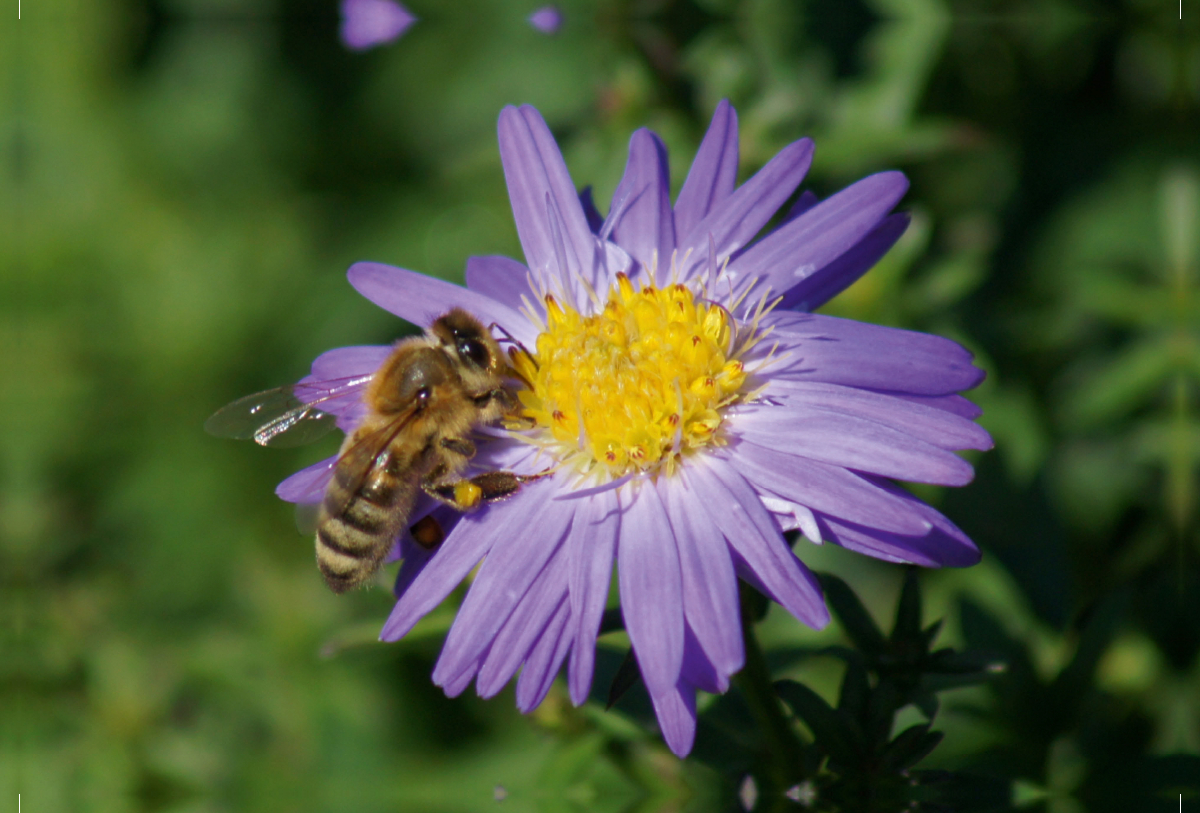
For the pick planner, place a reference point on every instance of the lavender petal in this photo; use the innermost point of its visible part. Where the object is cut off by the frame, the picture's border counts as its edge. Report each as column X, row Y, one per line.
column 367, row 23
column 936, row 426
column 710, row 596
column 471, row 539
column 857, row 354
column 834, row 277
column 826, row 488
column 537, row 177
column 524, row 627
column 640, row 220
column 420, row 299
column 938, row 548
column 543, row 663
column 854, row 443
column 736, row 510
column 714, row 171
column 675, row 708
column 501, row 279
column 514, row 563
column 590, row 548
column 349, row 362
column 698, row 671
column 651, row 586
column 790, row 254
column 805, row 201
column 308, row 484
column 732, row 225
column 956, row 404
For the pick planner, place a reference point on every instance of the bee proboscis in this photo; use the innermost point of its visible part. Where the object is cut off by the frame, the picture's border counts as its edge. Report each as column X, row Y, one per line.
column 421, row 406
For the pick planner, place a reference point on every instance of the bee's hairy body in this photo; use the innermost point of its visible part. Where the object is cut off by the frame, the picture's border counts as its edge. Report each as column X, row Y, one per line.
column 422, row 405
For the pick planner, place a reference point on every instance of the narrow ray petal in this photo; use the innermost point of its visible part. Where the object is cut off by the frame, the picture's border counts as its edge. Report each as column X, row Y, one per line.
column 525, row 626
column 945, row 546
column 501, row 279
column 709, row 584
column 732, row 225
column 414, row 558
column 420, row 299
column 826, row 282
column 734, row 507
column 675, row 708
column 640, row 220
column 841, row 351
column 855, row 443
column 505, row 576
column 590, row 549
column 698, row 671
column 936, row 426
column 714, row 171
column 823, row 487
column 938, row 548
column 348, row 362
column 790, row 254
column 308, row 484
column 458, row 683
column 805, row 201
column 535, row 173
column 651, row 590
column 545, row 660
column 513, row 564
column 471, row 539
column 957, row 404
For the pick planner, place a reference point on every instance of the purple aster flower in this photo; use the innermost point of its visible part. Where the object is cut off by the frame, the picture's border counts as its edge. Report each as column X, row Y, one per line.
column 547, row 19
column 691, row 409
column 368, row 23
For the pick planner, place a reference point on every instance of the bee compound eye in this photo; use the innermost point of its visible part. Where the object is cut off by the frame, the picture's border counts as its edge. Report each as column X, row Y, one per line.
column 472, row 349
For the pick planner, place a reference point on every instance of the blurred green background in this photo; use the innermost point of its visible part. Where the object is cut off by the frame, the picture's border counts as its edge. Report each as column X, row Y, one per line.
column 185, row 183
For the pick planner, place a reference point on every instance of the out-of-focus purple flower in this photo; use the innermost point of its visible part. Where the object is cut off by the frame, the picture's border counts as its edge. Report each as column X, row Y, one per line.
column 547, row 19
column 692, row 408
column 368, row 23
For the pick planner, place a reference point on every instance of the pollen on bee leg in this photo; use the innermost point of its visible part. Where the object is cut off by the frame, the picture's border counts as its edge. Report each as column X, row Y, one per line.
column 467, row 494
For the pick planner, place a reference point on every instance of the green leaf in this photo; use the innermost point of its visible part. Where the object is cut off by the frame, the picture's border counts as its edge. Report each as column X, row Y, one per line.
column 908, row 611
column 855, row 619
column 1117, row 385
column 909, row 747
column 611, row 621
column 837, row 734
column 856, row 690
column 626, row 678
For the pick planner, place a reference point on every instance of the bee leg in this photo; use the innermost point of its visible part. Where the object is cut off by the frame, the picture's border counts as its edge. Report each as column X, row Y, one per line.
column 513, row 421
column 460, row 446
column 427, row 532
column 467, row 494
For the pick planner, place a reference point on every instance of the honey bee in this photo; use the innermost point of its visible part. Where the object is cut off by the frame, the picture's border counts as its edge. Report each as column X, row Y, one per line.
column 421, row 405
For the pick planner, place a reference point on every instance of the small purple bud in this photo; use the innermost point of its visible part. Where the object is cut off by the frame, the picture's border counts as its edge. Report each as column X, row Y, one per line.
column 547, row 19
column 368, row 23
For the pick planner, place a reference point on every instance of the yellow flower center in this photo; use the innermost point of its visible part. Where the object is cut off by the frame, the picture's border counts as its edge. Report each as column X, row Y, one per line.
column 636, row 387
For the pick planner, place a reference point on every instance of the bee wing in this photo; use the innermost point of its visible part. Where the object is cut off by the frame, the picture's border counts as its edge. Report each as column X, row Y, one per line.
column 360, row 457
column 285, row 416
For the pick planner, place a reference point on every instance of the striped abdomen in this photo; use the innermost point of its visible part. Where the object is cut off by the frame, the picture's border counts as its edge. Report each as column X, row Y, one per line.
column 356, row 528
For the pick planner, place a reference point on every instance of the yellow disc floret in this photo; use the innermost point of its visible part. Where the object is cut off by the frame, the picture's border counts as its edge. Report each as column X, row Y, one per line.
column 637, row 386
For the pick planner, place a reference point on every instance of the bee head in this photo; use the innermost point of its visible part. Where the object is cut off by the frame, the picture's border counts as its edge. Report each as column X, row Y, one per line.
column 464, row 337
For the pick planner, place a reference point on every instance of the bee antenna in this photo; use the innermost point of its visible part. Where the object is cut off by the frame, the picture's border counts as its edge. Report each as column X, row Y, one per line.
column 508, row 337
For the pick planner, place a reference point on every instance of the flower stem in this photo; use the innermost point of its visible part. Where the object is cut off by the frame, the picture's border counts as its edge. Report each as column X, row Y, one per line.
column 783, row 748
